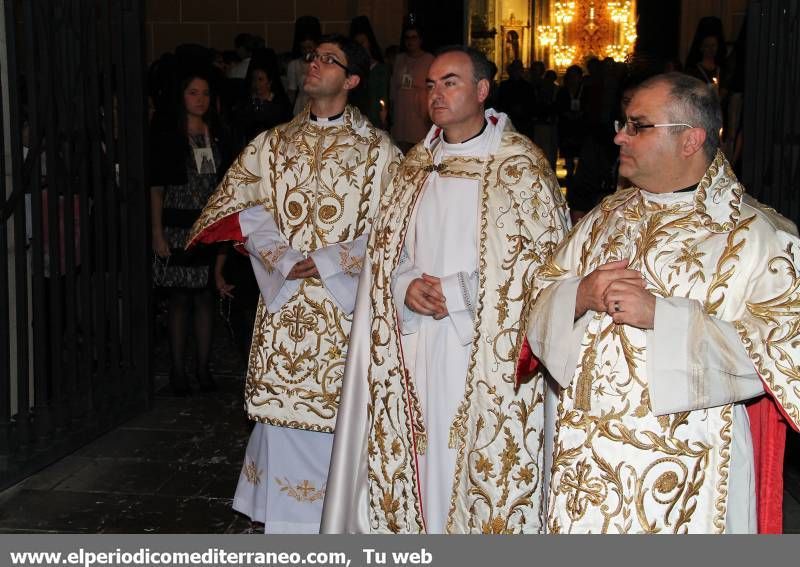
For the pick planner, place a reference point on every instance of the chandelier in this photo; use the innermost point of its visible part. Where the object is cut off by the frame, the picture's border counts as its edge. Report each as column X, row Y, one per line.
column 576, row 30
column 565, row 12
column 564, row 55
column 548, row 35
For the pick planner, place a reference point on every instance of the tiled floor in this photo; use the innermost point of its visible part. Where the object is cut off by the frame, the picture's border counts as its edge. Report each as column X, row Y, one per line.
column 171, row 470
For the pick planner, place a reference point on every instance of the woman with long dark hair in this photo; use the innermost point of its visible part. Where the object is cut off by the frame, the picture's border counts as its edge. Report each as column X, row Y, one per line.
column 371, row 98
column 188, row 158
column 707, row 54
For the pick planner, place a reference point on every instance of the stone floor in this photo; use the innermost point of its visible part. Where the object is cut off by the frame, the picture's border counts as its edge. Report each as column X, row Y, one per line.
column 174, row 468
column 170, row 470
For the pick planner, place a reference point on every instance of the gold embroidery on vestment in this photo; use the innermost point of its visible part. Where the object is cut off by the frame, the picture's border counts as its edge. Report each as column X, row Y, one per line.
column 302, row 492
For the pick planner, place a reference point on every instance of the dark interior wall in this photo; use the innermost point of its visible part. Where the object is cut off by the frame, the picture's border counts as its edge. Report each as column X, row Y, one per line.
column 658, row 28
column 442, row 21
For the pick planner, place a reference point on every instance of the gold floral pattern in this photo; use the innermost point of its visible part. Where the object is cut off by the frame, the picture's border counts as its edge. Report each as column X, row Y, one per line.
column 497, row 432
column 302, row 492
column 252, row 473
column 323, row 186
column 616, row 466
column 351, row 265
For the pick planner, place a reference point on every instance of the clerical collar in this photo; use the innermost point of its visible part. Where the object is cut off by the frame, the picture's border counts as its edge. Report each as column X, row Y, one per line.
column 478, row 135
column 316, row 118
column 687, row 189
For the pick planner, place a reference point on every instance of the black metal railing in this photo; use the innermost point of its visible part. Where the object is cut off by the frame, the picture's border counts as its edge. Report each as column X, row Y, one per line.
column 771, row 116
column 74, row 268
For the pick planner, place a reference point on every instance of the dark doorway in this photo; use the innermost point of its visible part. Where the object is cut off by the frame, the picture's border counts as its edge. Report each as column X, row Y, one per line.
column 442, row 22
column 658, row 29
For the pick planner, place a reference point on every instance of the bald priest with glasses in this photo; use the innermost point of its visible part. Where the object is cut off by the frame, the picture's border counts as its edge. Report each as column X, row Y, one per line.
column 300, row 200
column 669, row 321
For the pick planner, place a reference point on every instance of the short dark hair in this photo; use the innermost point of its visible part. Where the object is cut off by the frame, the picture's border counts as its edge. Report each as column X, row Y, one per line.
column 357, row 57
column 481, row 67
column 407, row 27
column 693, row 102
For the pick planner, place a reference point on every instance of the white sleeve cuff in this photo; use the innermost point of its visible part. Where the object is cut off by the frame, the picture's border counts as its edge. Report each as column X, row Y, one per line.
column 460, row 292
column 553, row 333
column 255, row 218
column 327, row 260
column 339, row 266
column 409, row 320
column 695, row 361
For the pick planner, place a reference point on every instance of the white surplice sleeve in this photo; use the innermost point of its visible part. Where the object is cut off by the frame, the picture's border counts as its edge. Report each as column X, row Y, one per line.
column 339, row 266
column 404, row 274
column 270, row 255
column 695, row 361
column 554, row 334
column 460, row 293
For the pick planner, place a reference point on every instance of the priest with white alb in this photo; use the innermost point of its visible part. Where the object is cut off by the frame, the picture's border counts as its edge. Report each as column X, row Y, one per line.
column 434, row 435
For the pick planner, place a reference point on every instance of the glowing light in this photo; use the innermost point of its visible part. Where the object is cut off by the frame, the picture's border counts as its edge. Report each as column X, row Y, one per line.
column 548, row 35
column 564, row 55
column 618, row 52
column 629, row 33
column 565, row 12
column 619, row 11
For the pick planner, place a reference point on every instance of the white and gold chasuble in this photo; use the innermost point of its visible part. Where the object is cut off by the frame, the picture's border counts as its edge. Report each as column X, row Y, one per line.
column 374, row 481
column 322, row 185
column 625, row 460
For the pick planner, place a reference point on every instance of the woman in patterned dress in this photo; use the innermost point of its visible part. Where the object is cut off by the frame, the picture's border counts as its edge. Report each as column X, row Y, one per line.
column 186, row 162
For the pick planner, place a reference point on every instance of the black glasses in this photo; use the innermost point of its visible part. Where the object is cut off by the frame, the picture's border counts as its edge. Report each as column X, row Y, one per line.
column 632, row 128
column 325, row 58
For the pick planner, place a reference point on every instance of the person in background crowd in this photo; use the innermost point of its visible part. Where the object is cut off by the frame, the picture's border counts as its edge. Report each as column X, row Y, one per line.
column 733, row 133
column 373, row 98
column 595, row 175
column 544, row 130
column 307, row 31
column 267, row 104
column 707, row 54
column 571, row 118
column 189, row 153
column 410, row 121
column 517, row 98
column 244, row 44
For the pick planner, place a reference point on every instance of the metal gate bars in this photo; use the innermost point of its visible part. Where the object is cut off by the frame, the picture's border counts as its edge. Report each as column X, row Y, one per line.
column 74, row 267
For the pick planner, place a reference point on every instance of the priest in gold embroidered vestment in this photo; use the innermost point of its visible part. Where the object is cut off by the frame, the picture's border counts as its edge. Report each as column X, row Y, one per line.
column 671, row 304
column 432, row 434
column 300, row 199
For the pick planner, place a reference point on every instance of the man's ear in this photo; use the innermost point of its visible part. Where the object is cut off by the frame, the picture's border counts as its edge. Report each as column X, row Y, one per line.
column 351, row 82
column 483, row 90
column 693, row 140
